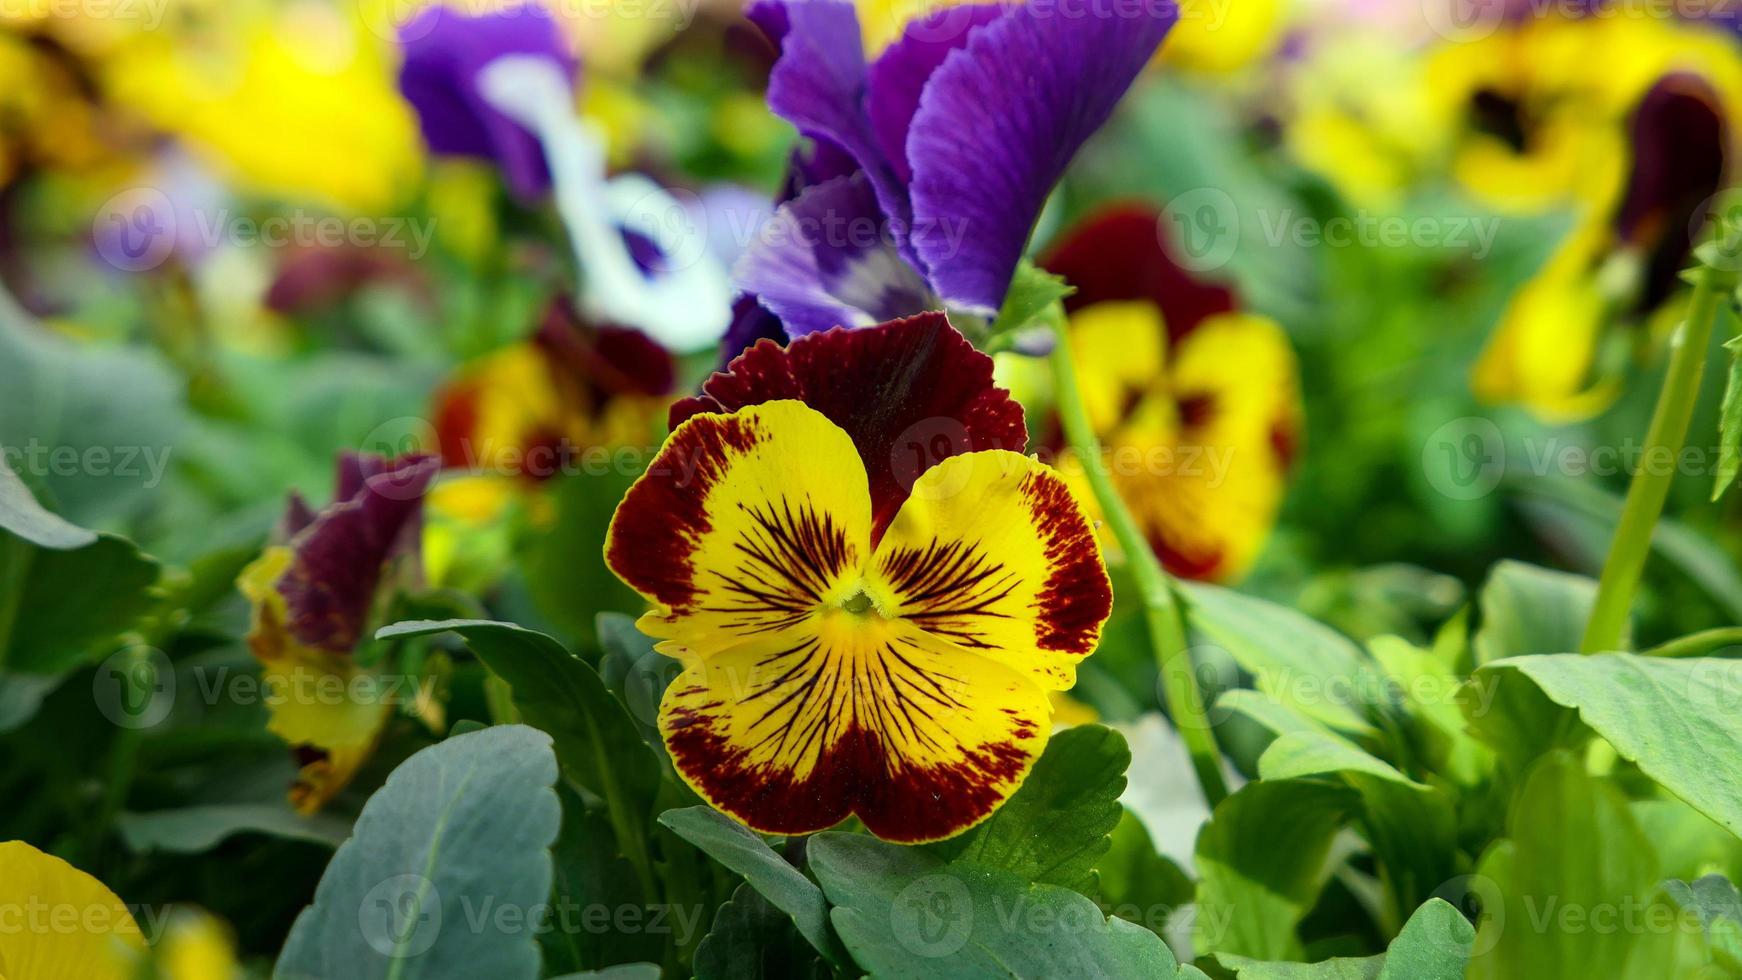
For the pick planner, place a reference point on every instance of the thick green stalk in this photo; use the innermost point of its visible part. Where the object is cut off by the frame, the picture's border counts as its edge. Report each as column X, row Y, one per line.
column 1663, row 447
column 1161, row 612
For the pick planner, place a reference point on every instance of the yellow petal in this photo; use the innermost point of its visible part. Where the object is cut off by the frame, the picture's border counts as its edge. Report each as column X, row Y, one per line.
column 854, row 714
column 63, row 923
column 992, row 552
column 744, row 526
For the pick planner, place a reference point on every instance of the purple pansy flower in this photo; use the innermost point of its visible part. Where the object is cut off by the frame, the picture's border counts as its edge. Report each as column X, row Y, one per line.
column 955, row 137
column 445, row 51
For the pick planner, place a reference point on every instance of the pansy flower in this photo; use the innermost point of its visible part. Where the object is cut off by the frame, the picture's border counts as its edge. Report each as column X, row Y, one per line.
column 928, row 167
column 1196, row 401
column 501, row 86
column 314, row 596
column 1566, row 338
column 871, row 591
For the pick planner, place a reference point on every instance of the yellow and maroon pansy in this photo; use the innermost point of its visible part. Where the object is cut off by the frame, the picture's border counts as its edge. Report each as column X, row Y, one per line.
column 313, row 597
column 1196, row 402
column 871, row 591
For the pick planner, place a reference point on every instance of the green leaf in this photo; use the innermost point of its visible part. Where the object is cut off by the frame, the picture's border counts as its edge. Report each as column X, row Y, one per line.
column 1433, row 945
column 1572, row 891
column 1054, row 829
column 197, row 829
column 60, row 609
column 1526, row 609
column 905, row 913
column 1730, row 424
column 1412, row 827
column 625, row 971
column 598, row 744
column 23, row 516
column 1715, row 900
column 734, row 846
column 1675, row 719
column 1431, row 694
column 1262, row 861
column 1030, row 301
column 591, row 879
column 1297, row 661
column 462, row 826
column 751, row 939
column 1138, row 883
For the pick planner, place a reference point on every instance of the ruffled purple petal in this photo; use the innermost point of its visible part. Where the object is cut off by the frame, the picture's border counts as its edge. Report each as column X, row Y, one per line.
column 444, row 52
column 337, row 559
column 826, row 259
column 1001, row 120
column 898, row 76
column 819, row 85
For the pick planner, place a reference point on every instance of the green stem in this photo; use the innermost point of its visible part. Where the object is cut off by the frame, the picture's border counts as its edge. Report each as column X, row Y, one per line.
column 1651, row 481
column 1698, row 644
column 1161, row 611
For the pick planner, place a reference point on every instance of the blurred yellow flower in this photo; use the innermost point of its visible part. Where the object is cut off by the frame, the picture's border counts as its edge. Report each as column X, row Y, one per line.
column 298, row 101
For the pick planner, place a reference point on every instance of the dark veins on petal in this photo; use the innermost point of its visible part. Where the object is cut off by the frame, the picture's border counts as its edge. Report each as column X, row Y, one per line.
column 790, row 558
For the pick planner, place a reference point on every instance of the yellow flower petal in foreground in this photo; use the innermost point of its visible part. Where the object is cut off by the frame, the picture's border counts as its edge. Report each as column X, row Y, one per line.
column 59, row 923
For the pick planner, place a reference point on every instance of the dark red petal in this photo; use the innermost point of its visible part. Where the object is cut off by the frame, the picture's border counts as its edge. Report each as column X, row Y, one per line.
column 606, row 361
column 338, row 558
column 1119, row 255
column 1680, row 160
column 852, row 776
column 911, row 393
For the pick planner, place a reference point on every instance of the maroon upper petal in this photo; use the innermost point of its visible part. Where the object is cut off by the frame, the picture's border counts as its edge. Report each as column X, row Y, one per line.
column 1120, row 254
column 337, row 558
column 911, row 393
column 1680, row 160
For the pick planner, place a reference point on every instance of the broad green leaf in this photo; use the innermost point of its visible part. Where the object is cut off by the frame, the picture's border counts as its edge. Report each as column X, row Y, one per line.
column 1715, row 900
column 1675, row 719
column 94, row 424
column 905, row 913
column 1262, row 861
column 60, row 609
column 23, row 516
column 751, row 940
column 1297, row 661
column 1573, row 889
column 1053, row 830
column 1730, row 423
column 1526, row 609
column 1433, row 945
column 598, row 744
column 20, row 697
column 734, row 846
column 446, row 871
column 197, row 829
